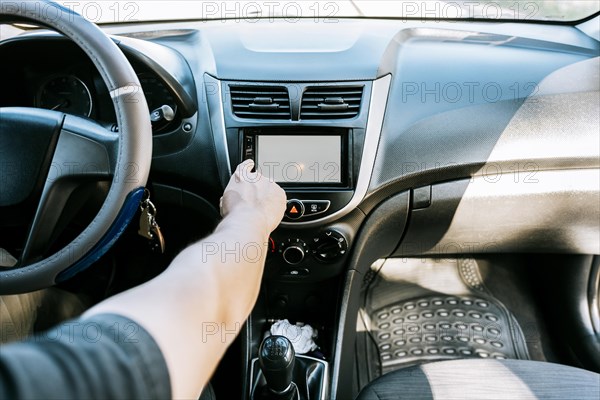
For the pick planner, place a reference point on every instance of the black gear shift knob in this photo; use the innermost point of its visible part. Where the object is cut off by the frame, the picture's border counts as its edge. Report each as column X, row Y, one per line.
column 276, row 358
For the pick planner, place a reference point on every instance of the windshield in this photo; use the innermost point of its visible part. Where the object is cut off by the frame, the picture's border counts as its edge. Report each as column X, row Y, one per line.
column 329, row 11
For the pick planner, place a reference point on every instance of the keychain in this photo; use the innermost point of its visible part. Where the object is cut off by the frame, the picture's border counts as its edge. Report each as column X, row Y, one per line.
column 149, row 228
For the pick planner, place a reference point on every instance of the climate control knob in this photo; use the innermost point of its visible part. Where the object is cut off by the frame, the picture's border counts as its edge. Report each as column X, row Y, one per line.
column 294, row 251
column 329, row 246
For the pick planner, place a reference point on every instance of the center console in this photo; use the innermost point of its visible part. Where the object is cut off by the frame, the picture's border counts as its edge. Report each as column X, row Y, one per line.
column 318, row 142
column 315, row 167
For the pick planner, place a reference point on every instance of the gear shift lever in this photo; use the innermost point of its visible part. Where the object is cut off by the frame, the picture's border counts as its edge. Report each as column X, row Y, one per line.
column 276, row 358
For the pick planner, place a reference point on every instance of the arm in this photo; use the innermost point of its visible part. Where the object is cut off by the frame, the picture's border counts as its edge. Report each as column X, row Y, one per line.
column 195, row 309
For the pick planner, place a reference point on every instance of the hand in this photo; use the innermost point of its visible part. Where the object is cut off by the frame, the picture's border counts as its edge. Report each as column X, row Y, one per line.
column 254, row 194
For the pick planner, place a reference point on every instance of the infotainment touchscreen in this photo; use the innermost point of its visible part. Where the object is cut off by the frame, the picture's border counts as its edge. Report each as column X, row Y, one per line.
column 300, row 158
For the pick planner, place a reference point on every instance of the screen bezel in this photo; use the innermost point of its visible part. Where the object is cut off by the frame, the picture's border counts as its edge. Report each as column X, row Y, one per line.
column 343, row 134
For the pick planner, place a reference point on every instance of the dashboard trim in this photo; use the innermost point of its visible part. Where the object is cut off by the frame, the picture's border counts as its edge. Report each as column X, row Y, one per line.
column 217, row 123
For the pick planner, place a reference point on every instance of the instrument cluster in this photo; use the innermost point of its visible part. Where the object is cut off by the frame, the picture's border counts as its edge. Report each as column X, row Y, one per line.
column 58, row 76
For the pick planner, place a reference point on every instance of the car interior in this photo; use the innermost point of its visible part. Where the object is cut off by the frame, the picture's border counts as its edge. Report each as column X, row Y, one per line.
column 441, row 166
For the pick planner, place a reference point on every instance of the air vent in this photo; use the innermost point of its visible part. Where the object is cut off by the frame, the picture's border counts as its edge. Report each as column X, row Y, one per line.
column 331, row 102
column 264, row 102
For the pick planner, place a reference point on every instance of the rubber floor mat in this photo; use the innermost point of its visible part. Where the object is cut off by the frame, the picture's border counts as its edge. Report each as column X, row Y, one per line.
column 428, row 310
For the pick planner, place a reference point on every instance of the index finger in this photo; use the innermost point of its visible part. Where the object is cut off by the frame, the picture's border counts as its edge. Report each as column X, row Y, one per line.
column 244, row 172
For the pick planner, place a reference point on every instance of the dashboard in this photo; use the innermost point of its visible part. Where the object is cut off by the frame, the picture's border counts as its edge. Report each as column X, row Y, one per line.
column 437, row 115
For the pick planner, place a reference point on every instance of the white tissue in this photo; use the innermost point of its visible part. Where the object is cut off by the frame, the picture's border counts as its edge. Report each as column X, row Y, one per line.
column 300, row 335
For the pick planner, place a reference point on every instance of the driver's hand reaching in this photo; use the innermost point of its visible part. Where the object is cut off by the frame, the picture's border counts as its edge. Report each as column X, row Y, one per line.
column 253, row 194
column 214, row 282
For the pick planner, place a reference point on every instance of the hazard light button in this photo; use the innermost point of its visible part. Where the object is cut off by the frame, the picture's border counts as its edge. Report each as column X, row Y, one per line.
column 294, row 209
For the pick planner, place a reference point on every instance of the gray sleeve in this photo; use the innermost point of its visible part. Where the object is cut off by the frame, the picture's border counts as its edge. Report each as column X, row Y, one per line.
column 102, row 357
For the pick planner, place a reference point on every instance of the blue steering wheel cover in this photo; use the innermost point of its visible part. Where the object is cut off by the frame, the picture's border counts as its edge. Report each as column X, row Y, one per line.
column 123, row 219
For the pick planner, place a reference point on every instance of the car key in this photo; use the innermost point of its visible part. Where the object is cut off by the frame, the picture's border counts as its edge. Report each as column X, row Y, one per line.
column 149, row 228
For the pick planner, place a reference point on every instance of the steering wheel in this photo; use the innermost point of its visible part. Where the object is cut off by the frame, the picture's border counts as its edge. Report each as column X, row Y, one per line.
column 47, row 154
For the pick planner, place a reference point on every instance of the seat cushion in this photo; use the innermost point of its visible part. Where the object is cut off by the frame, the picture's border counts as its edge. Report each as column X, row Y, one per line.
column 485, row 379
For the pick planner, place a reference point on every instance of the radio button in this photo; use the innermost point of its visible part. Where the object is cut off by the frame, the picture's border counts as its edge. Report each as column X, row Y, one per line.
column 314, row 207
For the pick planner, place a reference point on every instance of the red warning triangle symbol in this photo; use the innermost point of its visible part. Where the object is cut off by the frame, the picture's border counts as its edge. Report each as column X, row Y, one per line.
column 294, row 210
